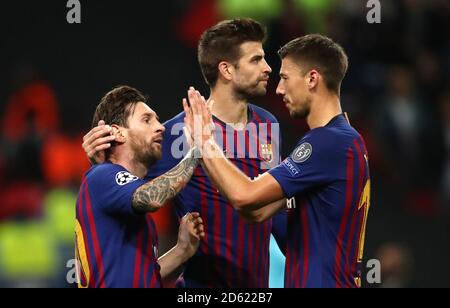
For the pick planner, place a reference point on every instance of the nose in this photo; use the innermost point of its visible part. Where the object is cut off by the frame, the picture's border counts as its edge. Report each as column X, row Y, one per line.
column 280, row 89
column 267, row 68
column 160, row 128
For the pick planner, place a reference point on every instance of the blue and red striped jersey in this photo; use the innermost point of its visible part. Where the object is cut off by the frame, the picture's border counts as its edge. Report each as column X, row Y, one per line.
column 327, row 175
column 233, row 253
column 115, row 247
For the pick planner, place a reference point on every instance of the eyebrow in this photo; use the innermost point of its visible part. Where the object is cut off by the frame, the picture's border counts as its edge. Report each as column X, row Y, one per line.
column 256, row 57
column 150, row 114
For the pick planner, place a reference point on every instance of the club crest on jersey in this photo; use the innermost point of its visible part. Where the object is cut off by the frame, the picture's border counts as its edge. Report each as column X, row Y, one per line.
column 124, row 178
column 267, row 152
column 302, row 153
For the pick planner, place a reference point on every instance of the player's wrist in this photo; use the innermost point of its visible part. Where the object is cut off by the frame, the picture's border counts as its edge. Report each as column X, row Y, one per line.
column 194, row 152
column 207, row 145
column 210, row 149
column 181, row 252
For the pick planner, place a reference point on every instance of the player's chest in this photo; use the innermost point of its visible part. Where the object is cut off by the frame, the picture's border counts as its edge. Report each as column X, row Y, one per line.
column 250, row 154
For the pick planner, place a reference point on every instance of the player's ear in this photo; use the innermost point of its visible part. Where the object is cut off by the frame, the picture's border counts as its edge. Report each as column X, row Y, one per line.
column 226, row 70
column 118, row 132
column 312, row 79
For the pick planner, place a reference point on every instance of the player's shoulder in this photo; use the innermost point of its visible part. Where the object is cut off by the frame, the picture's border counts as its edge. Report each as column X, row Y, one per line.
column 330, row 142
column 101, row 174
column 179, row 118
column 337, row 133
column 173, row 129
column 263, row 114
column 102, row 169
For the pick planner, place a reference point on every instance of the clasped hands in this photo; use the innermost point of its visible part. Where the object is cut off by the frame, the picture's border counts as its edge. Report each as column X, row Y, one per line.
column 199, row 125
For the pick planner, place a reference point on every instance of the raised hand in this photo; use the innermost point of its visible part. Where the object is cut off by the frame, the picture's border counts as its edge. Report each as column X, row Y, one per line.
column 198, row 118
column 96, row 141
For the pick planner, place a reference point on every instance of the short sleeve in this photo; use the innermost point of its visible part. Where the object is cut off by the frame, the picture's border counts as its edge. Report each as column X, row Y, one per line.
column 314, row 162
column 113, row 187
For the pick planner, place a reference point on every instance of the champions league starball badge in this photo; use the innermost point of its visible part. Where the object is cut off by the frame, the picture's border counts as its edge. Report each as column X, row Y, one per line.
column 302, row 153
column 123, row 178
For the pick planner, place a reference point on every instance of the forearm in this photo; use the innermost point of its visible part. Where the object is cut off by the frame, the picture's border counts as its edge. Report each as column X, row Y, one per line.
column 264, row 213
column 241, row 191
column 229, row 180
column 172, row 260
column 152, row 196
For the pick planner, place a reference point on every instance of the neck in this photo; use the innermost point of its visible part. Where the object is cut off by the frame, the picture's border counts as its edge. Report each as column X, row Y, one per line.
column 227, row 106
column 126, row 159
column 323, row 110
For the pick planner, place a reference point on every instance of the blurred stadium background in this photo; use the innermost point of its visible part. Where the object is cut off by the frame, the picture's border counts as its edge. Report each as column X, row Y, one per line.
column 52, row 74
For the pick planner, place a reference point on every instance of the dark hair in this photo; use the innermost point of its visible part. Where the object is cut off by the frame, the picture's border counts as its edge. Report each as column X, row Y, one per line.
column 319, row 52
column 117, row 105
column 223, row 41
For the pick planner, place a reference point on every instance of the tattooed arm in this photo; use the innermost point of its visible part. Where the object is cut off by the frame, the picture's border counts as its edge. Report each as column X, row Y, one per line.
column 152, row 196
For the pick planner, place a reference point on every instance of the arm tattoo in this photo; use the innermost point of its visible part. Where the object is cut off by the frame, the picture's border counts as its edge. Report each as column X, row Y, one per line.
column 153, row 195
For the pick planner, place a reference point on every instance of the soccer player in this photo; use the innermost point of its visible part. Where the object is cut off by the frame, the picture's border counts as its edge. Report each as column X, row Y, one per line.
column 116, row 243
column 233, row 252
column 327, row 174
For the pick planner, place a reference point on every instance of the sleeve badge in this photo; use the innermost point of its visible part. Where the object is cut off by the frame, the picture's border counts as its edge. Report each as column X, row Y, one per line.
column 124, row 178
column 302, row 153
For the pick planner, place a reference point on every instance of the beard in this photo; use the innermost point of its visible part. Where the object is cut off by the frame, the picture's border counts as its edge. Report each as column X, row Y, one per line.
column 249, row 91
column 144, row 153
column 303, row 110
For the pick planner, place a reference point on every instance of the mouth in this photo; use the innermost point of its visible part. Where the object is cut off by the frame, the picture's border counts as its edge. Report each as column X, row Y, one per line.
column 158, row 141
